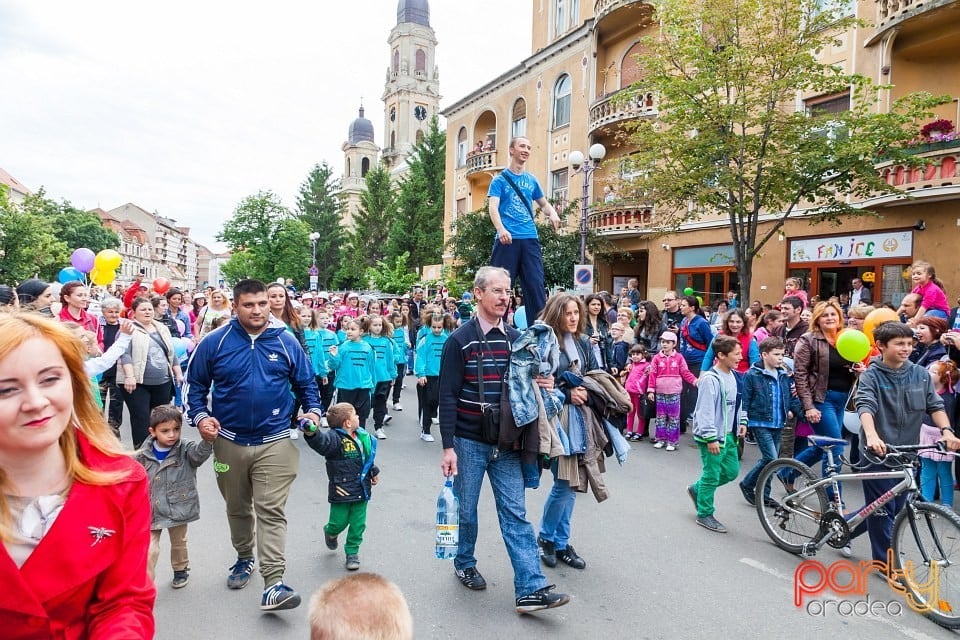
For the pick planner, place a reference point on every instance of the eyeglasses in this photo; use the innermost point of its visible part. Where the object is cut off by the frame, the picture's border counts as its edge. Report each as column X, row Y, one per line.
column 497, row 291
column 669, row 299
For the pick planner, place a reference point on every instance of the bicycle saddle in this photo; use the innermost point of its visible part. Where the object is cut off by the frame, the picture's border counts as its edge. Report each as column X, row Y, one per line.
column 826, row 442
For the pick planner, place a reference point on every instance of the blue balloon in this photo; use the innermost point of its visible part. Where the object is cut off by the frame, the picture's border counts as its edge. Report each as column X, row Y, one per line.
column 520, row 317
column 69, row 274
column 180, row 348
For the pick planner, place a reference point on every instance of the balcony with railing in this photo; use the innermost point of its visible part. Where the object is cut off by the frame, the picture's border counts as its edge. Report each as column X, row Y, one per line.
column 943, row 169
column 611, row 13
column 480, row 161
column 613, row 109
column 915, row 16
column 621, row 218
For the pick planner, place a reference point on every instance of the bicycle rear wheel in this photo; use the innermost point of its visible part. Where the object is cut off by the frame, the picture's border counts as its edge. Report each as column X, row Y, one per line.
column 926, row 557
column 790, row 521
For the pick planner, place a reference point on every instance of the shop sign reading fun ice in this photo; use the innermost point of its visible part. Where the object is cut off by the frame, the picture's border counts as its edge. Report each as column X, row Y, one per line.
column 894, row 244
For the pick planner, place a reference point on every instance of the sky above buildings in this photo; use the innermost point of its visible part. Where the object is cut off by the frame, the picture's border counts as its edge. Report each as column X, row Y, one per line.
column 188, row 107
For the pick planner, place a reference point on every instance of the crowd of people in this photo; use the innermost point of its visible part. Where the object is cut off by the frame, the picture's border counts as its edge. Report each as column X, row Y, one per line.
column 254, row 367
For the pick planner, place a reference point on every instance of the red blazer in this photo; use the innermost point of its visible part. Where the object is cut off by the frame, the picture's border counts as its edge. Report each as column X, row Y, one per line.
column 87, row 578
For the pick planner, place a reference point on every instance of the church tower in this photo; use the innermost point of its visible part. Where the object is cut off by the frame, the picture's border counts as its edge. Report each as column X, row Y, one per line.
column 360, row 154
column 411, row 96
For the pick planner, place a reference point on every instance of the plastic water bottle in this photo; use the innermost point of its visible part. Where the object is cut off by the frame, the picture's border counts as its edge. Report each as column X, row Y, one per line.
column 448, row 522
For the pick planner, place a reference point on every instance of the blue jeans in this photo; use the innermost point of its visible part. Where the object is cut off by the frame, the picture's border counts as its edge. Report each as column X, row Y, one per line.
column 932, row 473
column 831, row 424
column 524, row 260
column 557, row 512
column 768, row 441
column 474, row 459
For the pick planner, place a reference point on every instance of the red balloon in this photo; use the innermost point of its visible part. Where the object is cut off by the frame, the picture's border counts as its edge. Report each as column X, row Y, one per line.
column 161, row 285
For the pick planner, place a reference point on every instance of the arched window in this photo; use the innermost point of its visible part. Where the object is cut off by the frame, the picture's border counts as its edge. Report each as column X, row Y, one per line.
column 518, row 121
column 561, row 101
column 462, row 147
column 393, row 139
column 364, row 167
column 630, row 71
column 348, row 168
column 421, row 61
column 396, row 61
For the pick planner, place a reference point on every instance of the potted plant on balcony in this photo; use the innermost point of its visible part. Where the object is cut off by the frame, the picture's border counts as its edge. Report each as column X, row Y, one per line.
column 937, row 130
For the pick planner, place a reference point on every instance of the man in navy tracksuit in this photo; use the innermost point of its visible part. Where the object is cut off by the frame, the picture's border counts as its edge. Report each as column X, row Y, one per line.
column 248, row 368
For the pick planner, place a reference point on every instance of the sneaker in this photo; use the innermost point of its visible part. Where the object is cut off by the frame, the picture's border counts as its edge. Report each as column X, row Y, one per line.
column 659, row 445
column 353, row 562
column 750, row 438
column 426, row 437
column 569, row 556
column 671, row 447
column 541, row 599
column 330, row 541
column 638, row 437
column 548, row 552
column 435, row 420
column 240, row 573
column 294, row 435
column 771, row 503
column 381, row 434
column 387, row 418
column 748, row 494
column 397, row 406
column 846, row 551
column 692, row 492
column 709, row 522
column 180, row 579
column 279, row 597
column 471, row 579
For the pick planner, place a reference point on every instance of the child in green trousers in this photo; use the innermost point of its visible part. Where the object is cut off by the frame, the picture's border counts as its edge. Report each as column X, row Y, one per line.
column 715, row 429
column 350, row 452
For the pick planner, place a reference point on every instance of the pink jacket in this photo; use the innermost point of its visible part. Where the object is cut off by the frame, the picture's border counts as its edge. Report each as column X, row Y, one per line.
column 637, row 378
column 666, row 374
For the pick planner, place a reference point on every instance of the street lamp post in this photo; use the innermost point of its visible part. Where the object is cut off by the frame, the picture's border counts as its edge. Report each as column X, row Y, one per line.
column 586, row 166
column 313, row 239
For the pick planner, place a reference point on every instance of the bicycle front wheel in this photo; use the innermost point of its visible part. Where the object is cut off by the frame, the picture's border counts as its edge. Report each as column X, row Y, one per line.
column 790, row 520
column 926, row 558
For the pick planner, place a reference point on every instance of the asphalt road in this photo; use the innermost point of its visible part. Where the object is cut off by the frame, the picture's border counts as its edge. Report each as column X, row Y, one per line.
column 651, row 572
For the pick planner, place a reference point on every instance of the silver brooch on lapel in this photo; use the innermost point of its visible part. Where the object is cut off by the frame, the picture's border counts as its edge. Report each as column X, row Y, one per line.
column 99, row 533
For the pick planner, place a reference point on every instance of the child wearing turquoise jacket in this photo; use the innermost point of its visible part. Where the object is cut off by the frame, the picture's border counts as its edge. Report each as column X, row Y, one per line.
column 427, row 369
column 377, row 333
column 355, row 363
column 400, row 337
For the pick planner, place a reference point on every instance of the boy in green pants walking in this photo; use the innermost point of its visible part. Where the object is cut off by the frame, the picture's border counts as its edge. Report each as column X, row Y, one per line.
column 715, row 429
column 350, row 454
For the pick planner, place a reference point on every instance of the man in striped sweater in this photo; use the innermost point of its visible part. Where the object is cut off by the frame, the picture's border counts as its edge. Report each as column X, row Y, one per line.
column 468, row 456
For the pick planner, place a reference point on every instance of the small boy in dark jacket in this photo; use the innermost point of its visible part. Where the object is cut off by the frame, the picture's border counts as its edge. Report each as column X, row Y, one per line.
column 350, row 452
column 767, row 404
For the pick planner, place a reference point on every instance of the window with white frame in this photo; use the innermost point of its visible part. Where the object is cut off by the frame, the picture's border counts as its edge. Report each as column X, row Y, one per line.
column 558, row 187
column 518, row 125
column 561, row 101
column 462, row 147
column 560, row 17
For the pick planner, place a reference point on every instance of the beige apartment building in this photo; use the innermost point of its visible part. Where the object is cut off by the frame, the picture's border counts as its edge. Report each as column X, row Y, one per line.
column 561, row 97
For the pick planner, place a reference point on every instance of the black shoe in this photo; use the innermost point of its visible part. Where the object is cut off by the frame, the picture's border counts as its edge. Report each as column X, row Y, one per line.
column 352, row 562
column 548, row 552
column 541, row 599
column 748, row 494
column 709, row 522
column 330, row 541
column 771, row 503
column 471, row 579
column 692, row 492
column 570, row 557
column 180, row 579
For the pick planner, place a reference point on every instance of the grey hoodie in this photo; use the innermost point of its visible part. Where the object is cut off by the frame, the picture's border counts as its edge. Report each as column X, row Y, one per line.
column 898, row 400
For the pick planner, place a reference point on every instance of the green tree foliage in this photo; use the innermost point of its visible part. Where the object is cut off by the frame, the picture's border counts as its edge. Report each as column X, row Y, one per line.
column 266, row 241
column 729, row 140
column 319, row 208
column 366, row 243
column 28, row 245
column 75, row 227
column 393, row 275
column 472, row 241
column 418, row 226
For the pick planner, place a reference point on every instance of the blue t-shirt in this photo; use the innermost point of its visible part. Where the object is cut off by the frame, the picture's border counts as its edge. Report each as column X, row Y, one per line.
column 517, row 218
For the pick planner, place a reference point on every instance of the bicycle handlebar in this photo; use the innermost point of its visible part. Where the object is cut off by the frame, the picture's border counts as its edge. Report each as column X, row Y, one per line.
column 895, row 453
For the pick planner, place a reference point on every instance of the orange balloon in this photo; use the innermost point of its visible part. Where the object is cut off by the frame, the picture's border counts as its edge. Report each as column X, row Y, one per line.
column 877, row 317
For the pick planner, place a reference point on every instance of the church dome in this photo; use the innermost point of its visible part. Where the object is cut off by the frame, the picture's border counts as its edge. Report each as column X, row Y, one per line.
column 361, row 130
column 416, row 11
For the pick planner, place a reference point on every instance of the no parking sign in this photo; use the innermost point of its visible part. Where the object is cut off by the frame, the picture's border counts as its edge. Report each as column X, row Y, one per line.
column 583, row 279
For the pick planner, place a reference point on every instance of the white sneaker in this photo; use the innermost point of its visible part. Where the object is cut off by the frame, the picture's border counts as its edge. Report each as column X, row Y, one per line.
column 670, row 447
column 387, row 418
column 397, row 406
column 426, row 437
column 435, row 420
column 846, row 551
column 294, row 435
column 381, row 435
column 659, row 445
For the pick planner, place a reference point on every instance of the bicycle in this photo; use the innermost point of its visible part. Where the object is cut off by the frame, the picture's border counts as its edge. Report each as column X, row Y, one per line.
column 801, row 518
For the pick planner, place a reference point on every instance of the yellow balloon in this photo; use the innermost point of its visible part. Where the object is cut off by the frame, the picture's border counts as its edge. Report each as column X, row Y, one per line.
column 877, row 317
column 107, row 260
column 102, row 277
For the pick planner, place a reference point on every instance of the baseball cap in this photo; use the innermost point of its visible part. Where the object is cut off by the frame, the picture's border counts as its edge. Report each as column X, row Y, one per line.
column 668, row 335
column 198, row 296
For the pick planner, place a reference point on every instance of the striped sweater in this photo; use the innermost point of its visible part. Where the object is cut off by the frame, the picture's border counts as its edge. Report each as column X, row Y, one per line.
column 460, row 404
